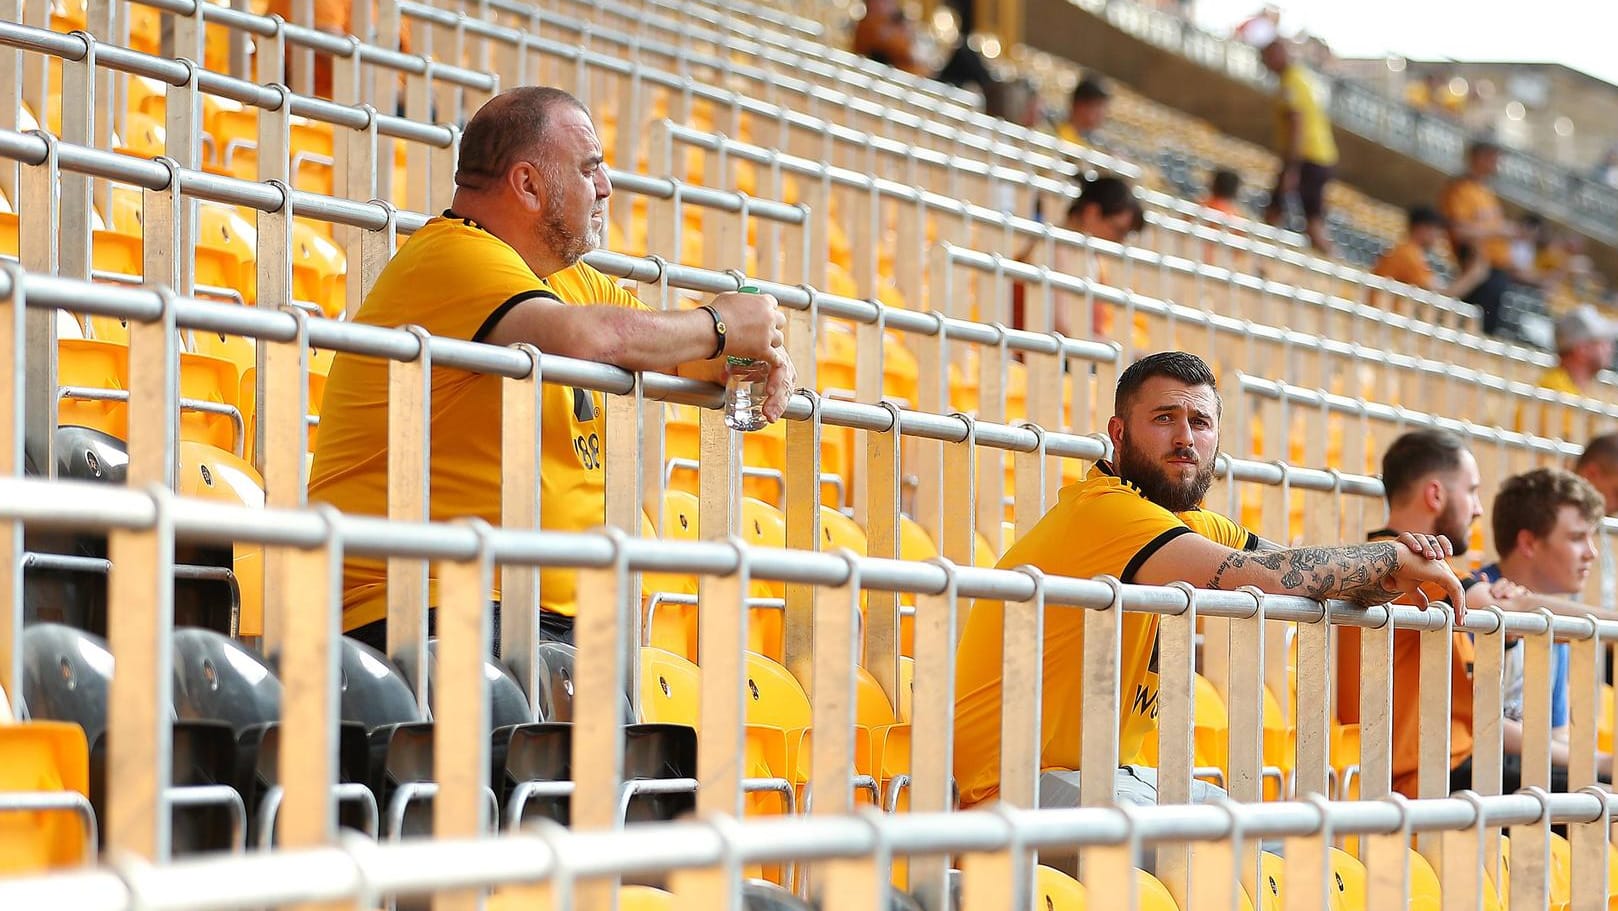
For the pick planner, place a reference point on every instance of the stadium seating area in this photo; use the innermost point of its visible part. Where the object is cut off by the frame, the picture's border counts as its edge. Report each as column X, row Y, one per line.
column 181, row 245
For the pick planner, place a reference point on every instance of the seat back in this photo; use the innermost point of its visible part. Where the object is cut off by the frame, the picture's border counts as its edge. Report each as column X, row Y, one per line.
column 42, row 756
column 507, row 704
column 541, row 752
column 774, row 696
column 92, row 364
column 762, row 896
column 371, row 691
column 216, row 678
column 66, row 676
column 1056, row 891
column 556, row 683
column 670, row 688
column 213, row 380
column 209, row 473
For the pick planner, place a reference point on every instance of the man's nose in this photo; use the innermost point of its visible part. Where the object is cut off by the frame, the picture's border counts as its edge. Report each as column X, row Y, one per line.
column 603, row 183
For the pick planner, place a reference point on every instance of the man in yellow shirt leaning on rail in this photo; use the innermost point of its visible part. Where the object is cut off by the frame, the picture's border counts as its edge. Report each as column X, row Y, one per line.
column 504, row 265
column 1139, row 518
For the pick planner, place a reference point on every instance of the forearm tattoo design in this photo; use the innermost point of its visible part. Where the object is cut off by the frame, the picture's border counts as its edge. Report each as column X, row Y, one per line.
column 1361, row 573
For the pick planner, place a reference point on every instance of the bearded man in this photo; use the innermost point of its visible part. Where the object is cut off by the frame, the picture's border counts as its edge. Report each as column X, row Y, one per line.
column 504, row 265
column 1139, row 518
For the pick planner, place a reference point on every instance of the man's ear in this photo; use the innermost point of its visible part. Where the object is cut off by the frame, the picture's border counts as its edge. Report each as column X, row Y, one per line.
column 1115, row 431
column 1527, row 544
column 1432, row 495
column 528, row 185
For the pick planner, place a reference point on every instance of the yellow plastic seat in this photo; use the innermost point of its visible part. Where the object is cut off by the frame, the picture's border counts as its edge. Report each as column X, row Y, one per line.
column 1272, row 882
column 916, row 546
column 983, row 554
column 778, row 716
column 1056, row 891
column 1348, row 882
column 42, row 756
column 874, row 718
column 240, row 350
column 215, row 381
column 226, row 247
column 674, row 626
column 318, row 269
column 247, row 397
column 8, row 234
column 669, row 688
column 143, row 137
column 93, row 364
column 1151, row 894
column 839, row 531
column 1425, row 894
column 762, row 525
column 1604, row 726
column 117, row 252
column 208, row 473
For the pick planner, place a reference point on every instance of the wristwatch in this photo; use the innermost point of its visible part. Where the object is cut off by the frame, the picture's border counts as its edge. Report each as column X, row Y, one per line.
column 718, row 328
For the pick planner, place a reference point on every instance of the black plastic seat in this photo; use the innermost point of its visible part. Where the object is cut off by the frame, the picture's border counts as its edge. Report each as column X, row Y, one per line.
column 66, row 675
column 556, row 687
column 71, row 591
column 507, row 703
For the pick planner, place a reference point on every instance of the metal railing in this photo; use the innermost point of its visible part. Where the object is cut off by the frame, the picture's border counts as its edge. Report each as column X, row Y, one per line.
column 826, row 625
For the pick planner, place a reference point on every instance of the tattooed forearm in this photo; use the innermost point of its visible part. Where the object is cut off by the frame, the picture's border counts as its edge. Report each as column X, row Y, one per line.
column 1361, row 573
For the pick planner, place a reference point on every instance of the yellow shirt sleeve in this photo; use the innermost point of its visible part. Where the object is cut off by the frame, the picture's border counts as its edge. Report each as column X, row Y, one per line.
column 1220, row 529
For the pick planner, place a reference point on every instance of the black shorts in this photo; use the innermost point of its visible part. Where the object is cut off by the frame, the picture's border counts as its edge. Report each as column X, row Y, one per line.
column 1312, row 180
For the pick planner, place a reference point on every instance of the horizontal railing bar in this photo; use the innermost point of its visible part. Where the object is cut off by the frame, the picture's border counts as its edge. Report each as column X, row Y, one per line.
column 989, row 262
column 708, row 197
column 361, row 869
column 1342, row 404
column 87, row 505
column 324, row 42
column 174, row 72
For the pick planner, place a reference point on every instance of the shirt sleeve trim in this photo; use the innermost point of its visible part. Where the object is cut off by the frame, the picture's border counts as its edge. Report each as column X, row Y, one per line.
column 1152, row 547
column 512, row 301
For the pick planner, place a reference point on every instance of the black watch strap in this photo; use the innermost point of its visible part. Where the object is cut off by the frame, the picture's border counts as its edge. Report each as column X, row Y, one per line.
column 718, row 328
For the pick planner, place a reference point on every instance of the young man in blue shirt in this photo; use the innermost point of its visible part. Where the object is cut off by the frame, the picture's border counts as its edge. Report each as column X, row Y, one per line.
column 1544, row 523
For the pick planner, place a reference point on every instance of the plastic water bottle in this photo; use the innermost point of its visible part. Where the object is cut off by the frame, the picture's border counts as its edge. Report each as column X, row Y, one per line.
column 744, row 389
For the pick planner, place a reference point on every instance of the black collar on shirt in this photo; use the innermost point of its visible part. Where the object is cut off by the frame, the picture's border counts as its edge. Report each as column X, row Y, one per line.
column 454, row 216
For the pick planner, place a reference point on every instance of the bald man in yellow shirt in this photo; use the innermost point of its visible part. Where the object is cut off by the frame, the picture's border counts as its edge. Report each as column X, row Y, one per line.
column 504, row 265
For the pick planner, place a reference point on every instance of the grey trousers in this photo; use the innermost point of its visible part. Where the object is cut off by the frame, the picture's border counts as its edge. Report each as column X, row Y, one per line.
column 1133, row 785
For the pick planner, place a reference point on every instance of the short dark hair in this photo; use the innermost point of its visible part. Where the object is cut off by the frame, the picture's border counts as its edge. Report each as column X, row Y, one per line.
column 1420, row 215
column 1091, row 88
column 1225, row 183
column 509, row 125
column 1530, row 501
column 1178, row 365
column 1603, row 450
column 1112, row 195
column 1416, row 455
column 1480, row 145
